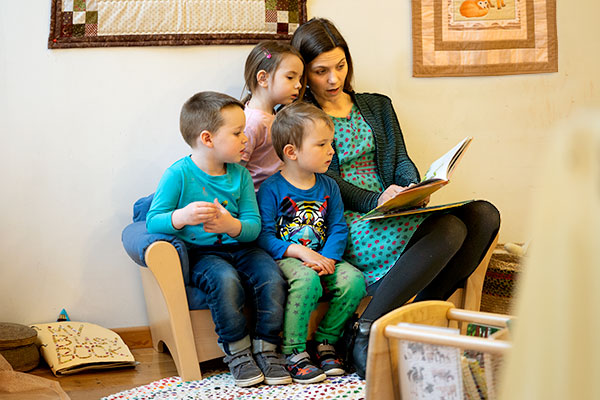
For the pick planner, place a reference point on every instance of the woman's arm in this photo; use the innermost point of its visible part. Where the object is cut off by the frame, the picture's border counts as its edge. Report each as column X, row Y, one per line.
column 394, row 166
column 405, row 171
column 354, row 198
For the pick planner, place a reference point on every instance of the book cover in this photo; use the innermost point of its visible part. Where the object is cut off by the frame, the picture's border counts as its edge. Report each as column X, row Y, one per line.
column 469, row 386
column 479, row 376
column 481, row 330
column 374, row 214
column 430, row 371
column 70, row 347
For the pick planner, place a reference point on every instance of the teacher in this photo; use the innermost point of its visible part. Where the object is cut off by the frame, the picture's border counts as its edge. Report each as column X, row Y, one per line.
column 428, row 255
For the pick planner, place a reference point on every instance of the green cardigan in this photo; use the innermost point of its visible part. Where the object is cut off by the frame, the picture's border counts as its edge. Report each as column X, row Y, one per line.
column 394, row 166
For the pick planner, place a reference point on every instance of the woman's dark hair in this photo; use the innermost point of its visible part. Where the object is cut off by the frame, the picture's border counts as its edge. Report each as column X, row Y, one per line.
column 267, row 56
column 318, row 36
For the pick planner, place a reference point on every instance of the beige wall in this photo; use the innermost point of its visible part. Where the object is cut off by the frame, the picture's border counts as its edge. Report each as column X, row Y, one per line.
column 86, row 132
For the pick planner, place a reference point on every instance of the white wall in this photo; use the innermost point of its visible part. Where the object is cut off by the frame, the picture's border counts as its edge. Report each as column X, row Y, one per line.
column 86, row 132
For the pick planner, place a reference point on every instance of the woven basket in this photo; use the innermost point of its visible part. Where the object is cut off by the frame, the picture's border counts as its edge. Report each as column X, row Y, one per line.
column 498, row 286
column 17, row 346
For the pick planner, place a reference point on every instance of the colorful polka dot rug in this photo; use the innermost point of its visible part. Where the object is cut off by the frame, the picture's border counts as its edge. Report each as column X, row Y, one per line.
column 222, row 387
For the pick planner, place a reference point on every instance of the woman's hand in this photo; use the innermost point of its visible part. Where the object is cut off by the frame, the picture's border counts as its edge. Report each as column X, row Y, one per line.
column 389, row 193
column 393, row 190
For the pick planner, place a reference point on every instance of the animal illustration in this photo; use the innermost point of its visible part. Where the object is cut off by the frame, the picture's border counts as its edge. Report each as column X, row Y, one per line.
column 475, row 8
column 499, row 4
column 415, row 351
column 415, row 375
column 442, row 375
column 448, row 392
column 303, row 222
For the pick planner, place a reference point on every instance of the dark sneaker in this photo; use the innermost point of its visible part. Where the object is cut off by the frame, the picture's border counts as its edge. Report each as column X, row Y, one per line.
column 302, row 369
column 244, row 369
column 329, row 362
column 273, row 367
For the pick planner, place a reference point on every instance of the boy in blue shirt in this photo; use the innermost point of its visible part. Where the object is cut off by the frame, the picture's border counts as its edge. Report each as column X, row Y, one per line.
column 208, row 201
column 303, row 227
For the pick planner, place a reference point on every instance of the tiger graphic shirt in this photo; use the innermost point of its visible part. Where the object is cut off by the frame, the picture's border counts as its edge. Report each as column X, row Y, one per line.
column 303, row 222
column 313, row 217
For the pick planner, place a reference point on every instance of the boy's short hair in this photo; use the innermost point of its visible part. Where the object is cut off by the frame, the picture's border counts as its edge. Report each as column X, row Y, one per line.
column 290, row 124
column 202, row 112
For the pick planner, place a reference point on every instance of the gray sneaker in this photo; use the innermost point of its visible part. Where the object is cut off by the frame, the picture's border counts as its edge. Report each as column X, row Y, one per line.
column 273, row 368
column 244, row 368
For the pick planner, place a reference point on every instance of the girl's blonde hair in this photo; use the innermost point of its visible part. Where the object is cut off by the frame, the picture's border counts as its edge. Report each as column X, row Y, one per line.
column 267, row 56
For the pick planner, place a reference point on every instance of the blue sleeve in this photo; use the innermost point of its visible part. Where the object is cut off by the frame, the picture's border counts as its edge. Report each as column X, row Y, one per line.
column 158, row 219
column 248, row 209
column 337, row 230
column 268, row 205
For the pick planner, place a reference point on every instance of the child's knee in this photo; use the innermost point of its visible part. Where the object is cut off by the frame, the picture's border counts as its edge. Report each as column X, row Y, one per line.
column 229, row 285
column 353, row 282
column 357, row 286
column 308, row 283
column 225, row 280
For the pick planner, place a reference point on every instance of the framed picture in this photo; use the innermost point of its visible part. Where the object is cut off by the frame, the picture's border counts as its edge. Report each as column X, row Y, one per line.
column 484, row 37
column 106, row 23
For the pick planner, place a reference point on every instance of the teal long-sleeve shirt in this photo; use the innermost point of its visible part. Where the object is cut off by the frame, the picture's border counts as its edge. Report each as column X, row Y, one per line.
column 183, row 183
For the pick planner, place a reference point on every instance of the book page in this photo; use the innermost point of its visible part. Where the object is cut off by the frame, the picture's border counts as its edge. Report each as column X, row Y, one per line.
column 442, row 167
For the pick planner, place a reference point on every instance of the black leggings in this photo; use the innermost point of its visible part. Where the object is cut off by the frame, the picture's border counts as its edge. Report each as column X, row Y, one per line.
column 440, row 256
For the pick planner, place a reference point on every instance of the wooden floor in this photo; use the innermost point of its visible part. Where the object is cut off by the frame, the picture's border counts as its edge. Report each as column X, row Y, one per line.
column 97, row 384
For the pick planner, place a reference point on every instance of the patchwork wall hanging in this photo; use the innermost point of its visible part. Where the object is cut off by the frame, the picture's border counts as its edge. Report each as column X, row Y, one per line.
column 105, row 23
column 484, row 37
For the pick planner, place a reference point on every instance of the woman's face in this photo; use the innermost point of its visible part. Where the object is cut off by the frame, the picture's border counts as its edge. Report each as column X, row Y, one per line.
column 327, row 74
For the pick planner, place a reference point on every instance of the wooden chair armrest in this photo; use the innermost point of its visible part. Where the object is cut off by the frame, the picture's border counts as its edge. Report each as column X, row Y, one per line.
column 170, row 319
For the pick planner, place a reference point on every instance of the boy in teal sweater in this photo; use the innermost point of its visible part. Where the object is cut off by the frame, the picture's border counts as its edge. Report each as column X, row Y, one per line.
column 208, row 201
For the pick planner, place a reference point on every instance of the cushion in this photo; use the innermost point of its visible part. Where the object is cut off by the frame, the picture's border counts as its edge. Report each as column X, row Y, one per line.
column 136, row 239
column 141, row 208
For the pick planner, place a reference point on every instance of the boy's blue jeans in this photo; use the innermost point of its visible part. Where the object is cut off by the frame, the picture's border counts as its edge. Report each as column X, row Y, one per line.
column 232, row 274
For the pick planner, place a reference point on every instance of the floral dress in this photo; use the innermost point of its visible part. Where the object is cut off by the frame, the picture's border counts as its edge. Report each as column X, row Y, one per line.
column 375, row 245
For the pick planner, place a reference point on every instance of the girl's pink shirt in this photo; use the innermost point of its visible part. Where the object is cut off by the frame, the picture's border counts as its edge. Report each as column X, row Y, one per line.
column 261, row 159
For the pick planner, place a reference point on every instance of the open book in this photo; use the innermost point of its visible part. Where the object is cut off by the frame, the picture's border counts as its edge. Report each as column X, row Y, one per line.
column 69, row 347
column 437, row 176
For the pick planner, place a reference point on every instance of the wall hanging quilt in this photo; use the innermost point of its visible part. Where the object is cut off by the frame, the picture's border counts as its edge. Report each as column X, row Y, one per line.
column 484, row 37
column 105, row 23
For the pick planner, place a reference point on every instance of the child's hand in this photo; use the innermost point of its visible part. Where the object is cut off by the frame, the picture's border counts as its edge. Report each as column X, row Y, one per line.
column 223, row 222
column 318, row 269
column 311, row 259
column 197, row 212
